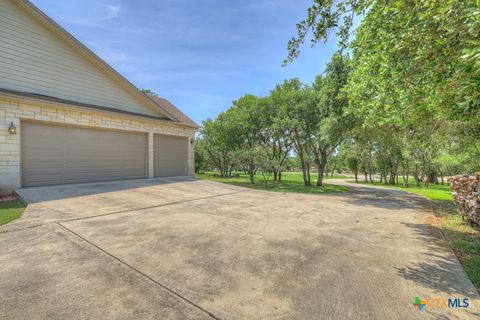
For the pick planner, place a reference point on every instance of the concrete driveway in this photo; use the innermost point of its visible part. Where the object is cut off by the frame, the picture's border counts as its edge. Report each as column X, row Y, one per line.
column 187, row 249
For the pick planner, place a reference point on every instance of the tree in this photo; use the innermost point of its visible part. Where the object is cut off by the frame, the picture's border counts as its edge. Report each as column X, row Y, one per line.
column 353, row 165
column 323, row 17
column 427, row 50
column 250, row 121
column 222, row 140
column 415, row 63
column 200, row 155
column 401, row 97
column 275, row 136
column 294, row 104
column 265, row 163
column 149, row 92
column 331, row 123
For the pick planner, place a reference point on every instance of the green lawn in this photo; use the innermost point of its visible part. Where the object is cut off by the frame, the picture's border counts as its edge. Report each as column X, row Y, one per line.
column 435, row 192
column 291, row 182
column 463, row 238
column 10, row 210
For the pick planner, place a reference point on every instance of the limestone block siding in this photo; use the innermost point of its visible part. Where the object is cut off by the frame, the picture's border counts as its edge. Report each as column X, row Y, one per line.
column 18, row 111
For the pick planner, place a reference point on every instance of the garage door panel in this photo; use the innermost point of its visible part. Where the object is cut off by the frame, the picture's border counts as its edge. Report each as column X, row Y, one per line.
column 53, row 154
column 170, row 156
column 41, row 152
column 43, row 167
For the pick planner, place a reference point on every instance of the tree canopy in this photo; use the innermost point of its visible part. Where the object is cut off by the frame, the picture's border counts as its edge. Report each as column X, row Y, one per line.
column 400, row 98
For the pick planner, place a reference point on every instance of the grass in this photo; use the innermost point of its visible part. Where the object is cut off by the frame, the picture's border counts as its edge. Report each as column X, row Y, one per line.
column 10, row 210
column 291, row 182
column 461, row 235
column 464, row 239
column 436, row 192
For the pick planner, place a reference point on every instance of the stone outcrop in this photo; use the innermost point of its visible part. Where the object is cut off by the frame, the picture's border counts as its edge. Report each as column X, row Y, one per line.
column 466, row 195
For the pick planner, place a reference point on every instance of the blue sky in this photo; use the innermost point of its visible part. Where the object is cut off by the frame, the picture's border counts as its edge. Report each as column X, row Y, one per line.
column 199, row 54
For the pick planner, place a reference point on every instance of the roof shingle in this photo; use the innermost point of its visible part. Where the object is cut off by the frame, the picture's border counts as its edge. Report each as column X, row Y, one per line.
column 170, row 108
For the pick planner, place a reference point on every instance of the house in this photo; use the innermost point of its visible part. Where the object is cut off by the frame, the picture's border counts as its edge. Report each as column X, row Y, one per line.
column 66, row 116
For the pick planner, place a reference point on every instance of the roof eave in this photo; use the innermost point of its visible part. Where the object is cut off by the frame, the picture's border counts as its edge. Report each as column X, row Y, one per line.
column 34, row 97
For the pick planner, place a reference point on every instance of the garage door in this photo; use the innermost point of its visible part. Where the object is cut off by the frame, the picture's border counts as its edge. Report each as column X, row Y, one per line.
column 53, row 154
column 170, row 156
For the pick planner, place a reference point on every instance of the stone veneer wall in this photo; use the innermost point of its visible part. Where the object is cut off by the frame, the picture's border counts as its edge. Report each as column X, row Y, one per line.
column 10, row 110
column 466, row 195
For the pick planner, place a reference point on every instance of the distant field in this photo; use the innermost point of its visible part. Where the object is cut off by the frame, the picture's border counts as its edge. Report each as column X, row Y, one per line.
column 291, row 182
column 434, row 191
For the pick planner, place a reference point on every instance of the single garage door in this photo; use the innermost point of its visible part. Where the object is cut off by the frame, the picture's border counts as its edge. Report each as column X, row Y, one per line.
column 54, row 154
column 170, row 156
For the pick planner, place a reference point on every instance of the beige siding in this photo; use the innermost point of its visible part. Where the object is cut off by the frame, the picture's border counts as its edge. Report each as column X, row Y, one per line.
column 33, row 59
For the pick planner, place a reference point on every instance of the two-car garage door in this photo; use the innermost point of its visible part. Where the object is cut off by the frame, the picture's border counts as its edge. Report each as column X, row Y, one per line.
column 55, row 154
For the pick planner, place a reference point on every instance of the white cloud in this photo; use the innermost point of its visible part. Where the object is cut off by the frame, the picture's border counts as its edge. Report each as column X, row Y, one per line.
column 95, row 16
column 111, row 11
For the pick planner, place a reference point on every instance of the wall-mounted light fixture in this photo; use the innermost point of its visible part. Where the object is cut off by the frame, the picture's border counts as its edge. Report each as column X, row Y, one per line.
column 12, row 129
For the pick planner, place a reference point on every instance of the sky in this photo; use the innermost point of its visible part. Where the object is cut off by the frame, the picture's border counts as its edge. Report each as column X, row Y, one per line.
column 199, row 54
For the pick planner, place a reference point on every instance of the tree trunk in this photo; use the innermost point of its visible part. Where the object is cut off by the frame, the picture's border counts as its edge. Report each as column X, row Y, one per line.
column 321, row 164
column 405, row 173
column 299, row 148
column 303, row 166
column 304, row 173
column 385, row 172
column 431, row 177
column 393, row 176
column 251, row 173
column 416, row 177
column 275, row 175
column 333, row 170
column 308, row 175
column 279, row 176
column 370, row 172
column 320, row 173
column 304, row 170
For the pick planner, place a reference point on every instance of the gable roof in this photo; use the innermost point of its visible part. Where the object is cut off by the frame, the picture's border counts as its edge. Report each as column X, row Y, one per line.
column 167, row 105
column 52, row 26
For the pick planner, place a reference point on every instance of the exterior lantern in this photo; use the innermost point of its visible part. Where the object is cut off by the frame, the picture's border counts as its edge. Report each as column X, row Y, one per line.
column 12, row 129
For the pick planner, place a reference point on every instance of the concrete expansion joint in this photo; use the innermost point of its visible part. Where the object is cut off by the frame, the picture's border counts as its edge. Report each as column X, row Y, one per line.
column 4, row 231
column 152, row 207
column 144, row 275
